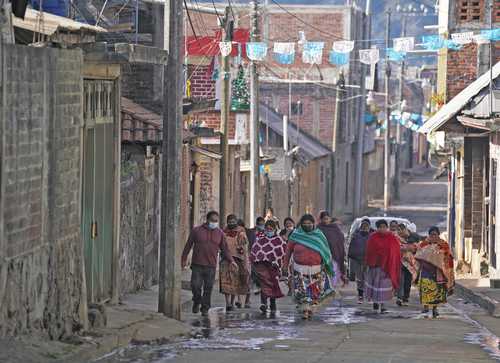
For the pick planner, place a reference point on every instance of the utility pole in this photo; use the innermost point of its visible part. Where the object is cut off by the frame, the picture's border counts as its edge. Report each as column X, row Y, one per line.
column 224, row 120
column 491, row 61
column 358, row 191
column 254, row 119
column 397, row 166
column 387, row 138
column 169, row 297
column 339, row 94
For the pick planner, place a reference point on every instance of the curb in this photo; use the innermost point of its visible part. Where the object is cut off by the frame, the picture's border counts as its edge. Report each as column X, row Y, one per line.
column 487, row 303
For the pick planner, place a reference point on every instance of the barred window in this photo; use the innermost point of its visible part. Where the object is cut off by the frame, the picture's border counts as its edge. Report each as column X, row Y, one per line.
column 471, row 10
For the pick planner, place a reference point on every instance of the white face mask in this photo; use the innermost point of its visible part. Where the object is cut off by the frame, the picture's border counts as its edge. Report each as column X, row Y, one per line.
column 213, row 225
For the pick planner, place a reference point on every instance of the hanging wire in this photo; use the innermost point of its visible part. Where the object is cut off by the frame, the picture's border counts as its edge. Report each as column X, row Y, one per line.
column 190, row 21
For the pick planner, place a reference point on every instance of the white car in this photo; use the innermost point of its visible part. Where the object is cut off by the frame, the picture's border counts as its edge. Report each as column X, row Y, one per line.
column 373, row 220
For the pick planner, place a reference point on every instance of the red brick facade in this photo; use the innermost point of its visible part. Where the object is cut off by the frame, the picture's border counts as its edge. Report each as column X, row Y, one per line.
column 202, row 84
column 461, row 69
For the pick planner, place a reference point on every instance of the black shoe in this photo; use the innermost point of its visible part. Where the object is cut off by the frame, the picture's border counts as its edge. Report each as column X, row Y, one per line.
column 399, row 302
column 263, row 308
column 383, row 310
column 375, row 306
column 229, row 308
column 204, row 312
column 435, row 313
column 196, row 308
column 238, row 305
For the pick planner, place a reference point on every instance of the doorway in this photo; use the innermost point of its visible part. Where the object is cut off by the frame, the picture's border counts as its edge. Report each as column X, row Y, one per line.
column 98, row 187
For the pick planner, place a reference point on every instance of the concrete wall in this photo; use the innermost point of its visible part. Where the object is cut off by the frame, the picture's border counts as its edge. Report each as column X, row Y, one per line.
column 41, row 267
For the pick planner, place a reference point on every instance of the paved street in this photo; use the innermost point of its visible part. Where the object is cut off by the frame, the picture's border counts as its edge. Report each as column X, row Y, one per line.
column 342, row 331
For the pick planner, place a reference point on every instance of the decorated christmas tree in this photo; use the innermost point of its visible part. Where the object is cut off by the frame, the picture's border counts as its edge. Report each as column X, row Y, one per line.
column 240, row 99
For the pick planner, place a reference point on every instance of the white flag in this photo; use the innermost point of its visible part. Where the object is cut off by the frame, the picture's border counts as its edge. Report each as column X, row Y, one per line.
column 463, row 38
column 313, row 52
column 345, row 46
column 225, row 48
column 480, row 39
column 404, row 44
column 284, row 48
column 369, row 56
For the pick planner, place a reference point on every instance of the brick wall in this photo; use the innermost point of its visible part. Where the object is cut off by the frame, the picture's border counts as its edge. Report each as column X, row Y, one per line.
column 42, row 266
column 138, row 84
column 462, row 69
column 202, row 84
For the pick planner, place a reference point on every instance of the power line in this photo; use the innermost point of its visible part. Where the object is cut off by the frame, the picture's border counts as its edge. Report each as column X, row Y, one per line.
column 217, row 12
column 231, row 8
column 305, row 22
column 190, row 21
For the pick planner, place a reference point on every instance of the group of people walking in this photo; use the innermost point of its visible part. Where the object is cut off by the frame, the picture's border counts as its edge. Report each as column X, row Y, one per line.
column 311, row 256
column 389, row 260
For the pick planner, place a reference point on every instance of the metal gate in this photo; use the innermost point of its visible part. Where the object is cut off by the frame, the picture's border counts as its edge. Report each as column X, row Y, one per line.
column 98, row 187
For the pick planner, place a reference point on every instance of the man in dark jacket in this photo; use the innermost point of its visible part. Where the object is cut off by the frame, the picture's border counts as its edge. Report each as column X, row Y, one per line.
column 206, row 241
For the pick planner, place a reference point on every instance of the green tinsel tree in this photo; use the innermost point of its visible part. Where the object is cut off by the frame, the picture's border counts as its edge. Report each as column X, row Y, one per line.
column 240, row 98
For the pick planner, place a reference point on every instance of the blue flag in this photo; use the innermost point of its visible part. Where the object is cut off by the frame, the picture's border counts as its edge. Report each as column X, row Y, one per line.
column 339, row 59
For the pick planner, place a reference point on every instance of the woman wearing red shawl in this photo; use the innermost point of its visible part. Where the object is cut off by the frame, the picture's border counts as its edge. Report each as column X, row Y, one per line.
column 235, row 283
column 437, row 277
column 383, row 260
column 267, row 258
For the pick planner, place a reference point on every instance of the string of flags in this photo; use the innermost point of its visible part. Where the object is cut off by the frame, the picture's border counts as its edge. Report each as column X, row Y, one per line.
column 412, row 121
column 340, row 53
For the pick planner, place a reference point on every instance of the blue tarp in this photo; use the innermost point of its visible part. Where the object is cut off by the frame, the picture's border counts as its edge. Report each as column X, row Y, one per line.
column 56, row 7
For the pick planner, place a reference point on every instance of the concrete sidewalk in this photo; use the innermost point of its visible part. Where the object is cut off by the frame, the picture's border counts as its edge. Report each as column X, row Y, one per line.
column 134, row 320
column 479, row 291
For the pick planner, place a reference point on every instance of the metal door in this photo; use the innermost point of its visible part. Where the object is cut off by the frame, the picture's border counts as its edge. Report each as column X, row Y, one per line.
column 98, row 187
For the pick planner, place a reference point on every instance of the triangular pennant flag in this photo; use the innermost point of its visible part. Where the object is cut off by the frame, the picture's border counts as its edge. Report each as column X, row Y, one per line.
column 339, row 59
column 369, row 56
column 225, row 48
column 313, row 52
column 404, row 44
column 256, row 51
column 284, row 53
column 344, row 46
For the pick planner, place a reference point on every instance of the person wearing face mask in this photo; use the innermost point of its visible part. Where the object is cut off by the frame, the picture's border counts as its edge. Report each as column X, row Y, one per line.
column 206, row 241
column 312, row 265
column 383, row 261
column 267, row 257
column 357, row 248
column 235, row 283
column 289, row 224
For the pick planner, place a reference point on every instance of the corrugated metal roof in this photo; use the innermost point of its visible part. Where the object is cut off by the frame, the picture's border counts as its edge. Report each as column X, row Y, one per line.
column 50, row 23
column 310, row 147
column 456, row 104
